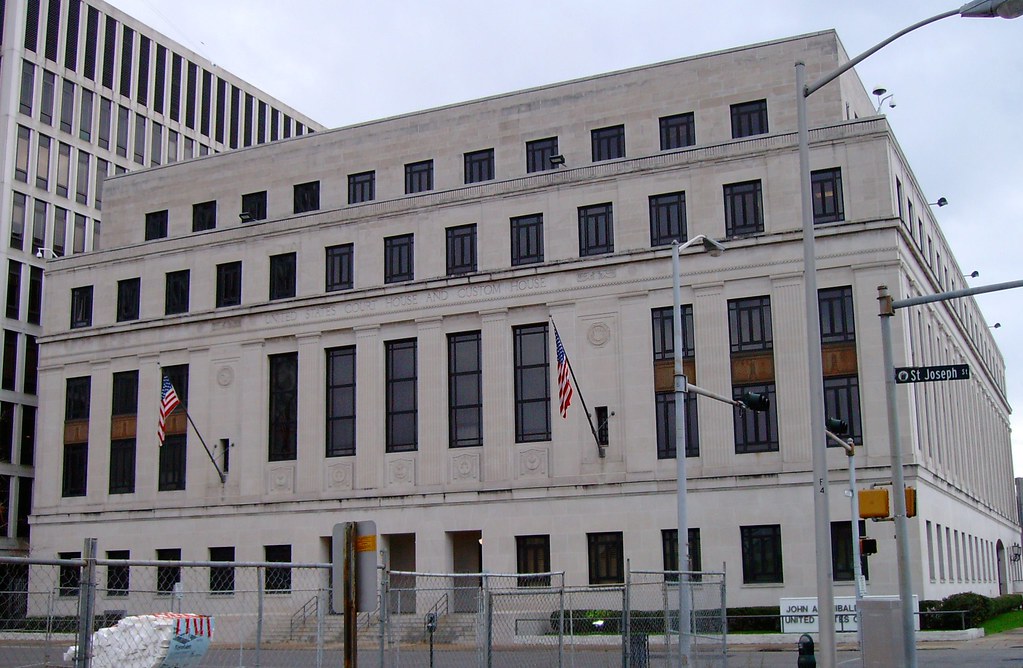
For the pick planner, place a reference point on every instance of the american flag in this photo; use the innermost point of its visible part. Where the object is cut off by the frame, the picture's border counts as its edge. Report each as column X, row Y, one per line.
column 564, row 382
column 168, row 402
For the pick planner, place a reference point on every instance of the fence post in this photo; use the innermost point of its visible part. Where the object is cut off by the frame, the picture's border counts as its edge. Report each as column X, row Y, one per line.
column 86, row 604
column 385, row 603
column 488, row 602
column 259, row 613
column 724, row 618
column 626, row 631
column 561, row 623
column 321, row 603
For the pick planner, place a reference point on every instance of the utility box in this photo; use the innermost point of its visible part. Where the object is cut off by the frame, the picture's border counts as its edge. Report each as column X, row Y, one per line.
column 881, row 626
column 874, row 503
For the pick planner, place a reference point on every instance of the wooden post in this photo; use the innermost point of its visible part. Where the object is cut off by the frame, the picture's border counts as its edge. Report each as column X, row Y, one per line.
column 351, row 623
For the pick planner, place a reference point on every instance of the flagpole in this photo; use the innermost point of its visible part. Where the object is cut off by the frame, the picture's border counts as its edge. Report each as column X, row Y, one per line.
column 579, row 391
column 223, row 478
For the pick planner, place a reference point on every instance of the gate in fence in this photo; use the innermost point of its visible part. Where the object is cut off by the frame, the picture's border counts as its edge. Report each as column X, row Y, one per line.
column 277, row 614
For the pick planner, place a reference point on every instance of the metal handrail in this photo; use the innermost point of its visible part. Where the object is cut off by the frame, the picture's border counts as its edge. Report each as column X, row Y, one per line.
column 304, row 613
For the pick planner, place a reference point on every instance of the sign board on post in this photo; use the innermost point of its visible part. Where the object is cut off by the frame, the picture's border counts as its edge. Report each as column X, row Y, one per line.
column 930, row 374
column 799, row 615
column 364, row 563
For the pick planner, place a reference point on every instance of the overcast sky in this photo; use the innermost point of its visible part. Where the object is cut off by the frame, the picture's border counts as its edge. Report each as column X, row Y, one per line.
column 958, row 83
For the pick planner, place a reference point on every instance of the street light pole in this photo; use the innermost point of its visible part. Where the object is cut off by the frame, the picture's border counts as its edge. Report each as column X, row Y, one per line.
column 681, row 388
column 1008, row 9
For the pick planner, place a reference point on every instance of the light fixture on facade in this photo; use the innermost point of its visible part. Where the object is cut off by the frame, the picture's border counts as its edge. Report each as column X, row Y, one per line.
column 940, row 203
column 557, row 160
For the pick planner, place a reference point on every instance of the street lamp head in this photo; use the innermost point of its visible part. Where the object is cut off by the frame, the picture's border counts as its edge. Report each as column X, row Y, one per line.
column 713, row 247
column 984, row 9
column 940, row 203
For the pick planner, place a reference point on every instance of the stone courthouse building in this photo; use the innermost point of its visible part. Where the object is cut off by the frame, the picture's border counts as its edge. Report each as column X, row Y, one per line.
column 361, row 324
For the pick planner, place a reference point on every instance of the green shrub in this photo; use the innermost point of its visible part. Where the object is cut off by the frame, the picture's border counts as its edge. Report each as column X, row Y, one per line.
column 977, row 607
column 762, row 619
column 1006, row 603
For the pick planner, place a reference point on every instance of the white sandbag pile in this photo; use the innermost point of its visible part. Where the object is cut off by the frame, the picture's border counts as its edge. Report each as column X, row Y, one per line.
column 163, row 640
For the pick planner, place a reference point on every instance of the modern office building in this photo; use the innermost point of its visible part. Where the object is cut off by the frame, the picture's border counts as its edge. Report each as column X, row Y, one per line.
column 361, row 323
column 88, row 92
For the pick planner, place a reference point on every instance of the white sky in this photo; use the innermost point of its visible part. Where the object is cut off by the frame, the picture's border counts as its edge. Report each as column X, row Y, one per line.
column 958, row 83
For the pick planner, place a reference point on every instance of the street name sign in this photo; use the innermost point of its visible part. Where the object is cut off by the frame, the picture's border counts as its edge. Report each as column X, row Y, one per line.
column 929, row 374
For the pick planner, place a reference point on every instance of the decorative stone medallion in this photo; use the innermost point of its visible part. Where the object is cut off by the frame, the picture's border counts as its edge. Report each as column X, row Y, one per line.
column 280, row 480
column 401, row 472
column 465, row 467
column 225, row 376
column 533, row 463
column 599, row 334
column 339, row 476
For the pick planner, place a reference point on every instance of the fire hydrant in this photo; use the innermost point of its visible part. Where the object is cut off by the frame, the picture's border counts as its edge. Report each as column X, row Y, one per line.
column 806, row 657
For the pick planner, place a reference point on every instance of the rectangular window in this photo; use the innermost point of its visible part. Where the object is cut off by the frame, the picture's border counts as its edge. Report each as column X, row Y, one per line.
column 533, row 555
column 838, row 346
column 123, row 118
column 282, row 276
column 532, row 384
column 13, row 289
column 461, row 250
column 399, row 258
column 118, row 575
column 63, row 169
column 206, row 103
column 744, row 209
column 222, row 577
column 129, row 293
column 19, row 211
column 76, row 446
column 85, row 116
column 59, row 231
column 836, row 315
column 167, row 576
column 31, row 367
column 35, row 295
column 340, row 265
column 539, row 153
column 842, row 401
column 667, row 219
column 283, row 437
column 596, row 230
column 156, row 145
column 127, row 42
column 669, row 552
column 173, row 455
column 91, row 38
column 124, row 404
column 47, row 97
column 52, row 30
column 341, row 402
column 254, row 206
column 81, row 307
column 69, row 577
column 28, row 76
column 229, row 284
column 677, row 131
column 418, row 177
column 156, row 225
column 527, row 239
column 82, row 178
column 608, row 143
column 749, row 118
column 751, row 343
column 606, row 552
column 204, row 216
column 247, row 136
column 307, row 197
column 105, row 119
column 277, row 579
column 22, row 153
column 465, row 390
column 361, row 187
column 479, row 166
column 402, row 400
column 175, row 87
column 898, row 202
column 842, row 551
column 176, row 294
column 43, row 163
column 172, row 146
column 826, row 191
column 139, row 147
column 10, row 361
column 663, row 327
column 191, row 92
column 761, row 554
column 142, row 78
column 67, row 106
column 38, row 225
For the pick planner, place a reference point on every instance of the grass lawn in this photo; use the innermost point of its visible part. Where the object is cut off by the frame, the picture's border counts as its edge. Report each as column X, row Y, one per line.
column 1005, row 622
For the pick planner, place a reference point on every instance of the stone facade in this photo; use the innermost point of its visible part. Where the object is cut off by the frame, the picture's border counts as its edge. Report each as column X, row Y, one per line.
column 443, row 509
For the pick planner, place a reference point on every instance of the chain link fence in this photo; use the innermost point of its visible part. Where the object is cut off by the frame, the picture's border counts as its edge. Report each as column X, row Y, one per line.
column 269, row 614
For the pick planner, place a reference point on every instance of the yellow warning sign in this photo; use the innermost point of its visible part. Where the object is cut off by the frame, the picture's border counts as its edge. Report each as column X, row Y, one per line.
column 366, row 543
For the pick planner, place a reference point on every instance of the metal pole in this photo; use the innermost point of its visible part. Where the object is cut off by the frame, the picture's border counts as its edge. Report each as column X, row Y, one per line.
column 898, row 481
column 680, row 461
column 259, row 613
column 384, row 602
column 321, row 602
column 815, row 372
column 86, row 604
column 854, row 507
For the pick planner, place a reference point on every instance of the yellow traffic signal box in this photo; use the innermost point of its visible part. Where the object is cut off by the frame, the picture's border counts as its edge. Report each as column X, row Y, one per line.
column 874, row 503
column 910, row 502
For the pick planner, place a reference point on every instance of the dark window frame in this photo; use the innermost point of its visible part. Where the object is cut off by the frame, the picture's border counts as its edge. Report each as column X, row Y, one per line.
column 81, row 306
column 539, row 153
column 129, row 299
column 749, row 118
column 606, row 557
column 401, row 395
column 744, row 208
column 283, row 276
column 222, row 578
column 465, row 389
column 607, row 143
column 254, row 206
column 532, row 373
column 596, row 229
column 399, row 258
column 460, row 245
column 663, row 329
column 526, row 239
column 533, row 555
column 176, row 292
column 339, row 273
column 668, row 219
column 341, row 402
column 229, row 284
column 826, row 193
column 277, row 579
column 362, row 187
column 418, row 177
column 167, row 576
column 282, row 436
column 306, row 197
column 479, row 166
column 762, row 558
column 677, row 131
column 204, row 216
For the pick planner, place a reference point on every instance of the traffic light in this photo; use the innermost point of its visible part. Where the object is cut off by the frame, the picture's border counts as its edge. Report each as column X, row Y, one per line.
column 911, row 502
column 755, row 401
column 868, row 546
column 836, row 426
column 874, row 503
